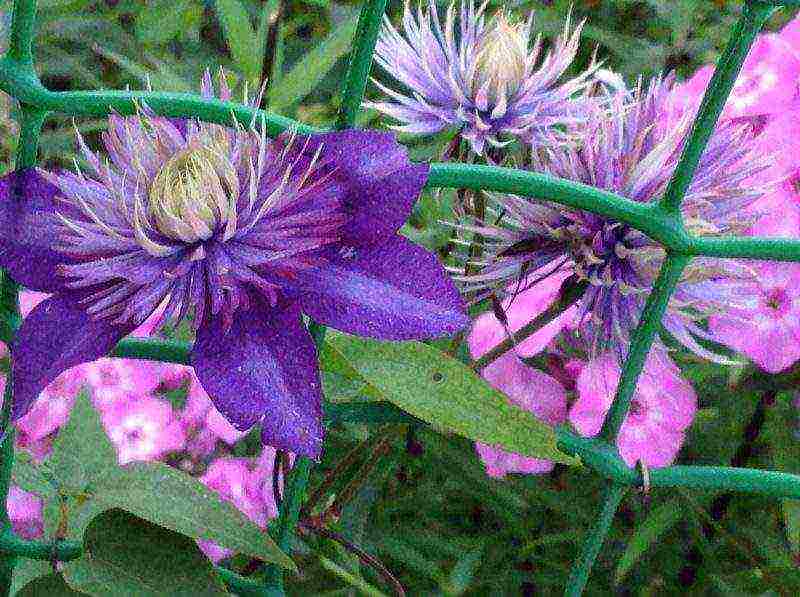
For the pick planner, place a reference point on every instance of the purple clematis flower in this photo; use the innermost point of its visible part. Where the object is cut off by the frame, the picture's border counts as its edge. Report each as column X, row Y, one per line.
column 631, row 151
column 243, row 233
column 488, row 80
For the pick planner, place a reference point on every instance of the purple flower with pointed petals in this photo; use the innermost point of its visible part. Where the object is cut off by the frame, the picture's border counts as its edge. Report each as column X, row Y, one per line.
column 245, row 233
column 487, row 79
column 632, row 152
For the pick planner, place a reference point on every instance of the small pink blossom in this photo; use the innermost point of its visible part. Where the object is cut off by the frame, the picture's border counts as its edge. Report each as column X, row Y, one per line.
column 769, row 331
column 240, row 482
column 53, row 407
column 533, row 391
column 143, row 428
column 662, row 409
column 25, row 513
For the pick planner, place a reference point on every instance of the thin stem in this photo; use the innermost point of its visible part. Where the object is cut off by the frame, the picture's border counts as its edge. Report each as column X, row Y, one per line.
column 366, row 558
column 271, row 44
column 289, row 515
column 165, row 351
column 730, row 63
column 355, row 82
column 641, row 342
column 29, row 130
column 330, row 478
column 379, row 450
column 571, row 292
column 594, row 539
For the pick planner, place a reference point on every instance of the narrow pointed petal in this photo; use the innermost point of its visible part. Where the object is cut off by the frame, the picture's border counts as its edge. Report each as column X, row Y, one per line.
column 392, row 291
column 57, row 335
column 264, row 368
column 30, row 230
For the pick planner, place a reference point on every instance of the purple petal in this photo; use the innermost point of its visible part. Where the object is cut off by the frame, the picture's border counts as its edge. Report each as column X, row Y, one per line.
column 57, row 335
column 264, row 368
column 392, row 291
column 27, row 205
column 380, row 184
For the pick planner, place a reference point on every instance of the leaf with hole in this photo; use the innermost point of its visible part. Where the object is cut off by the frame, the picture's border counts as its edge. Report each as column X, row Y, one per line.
column 444, row 392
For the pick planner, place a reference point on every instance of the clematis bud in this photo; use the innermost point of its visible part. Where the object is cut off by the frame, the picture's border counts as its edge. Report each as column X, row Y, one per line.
column 502, row 57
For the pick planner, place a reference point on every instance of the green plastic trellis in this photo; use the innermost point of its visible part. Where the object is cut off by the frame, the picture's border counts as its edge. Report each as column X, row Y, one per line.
column 661, row 221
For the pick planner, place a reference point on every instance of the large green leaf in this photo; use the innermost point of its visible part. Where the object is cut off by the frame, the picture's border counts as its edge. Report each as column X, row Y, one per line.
column 82, row 449
column 241, row 38
column 173, row 499
column 25, row 572
column 125, row 555
column 658, row 522
column 306, row 74
column 444, row 392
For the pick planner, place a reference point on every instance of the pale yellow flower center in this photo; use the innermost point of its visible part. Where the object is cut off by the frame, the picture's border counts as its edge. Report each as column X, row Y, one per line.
column 193, row 194
column 502, row 56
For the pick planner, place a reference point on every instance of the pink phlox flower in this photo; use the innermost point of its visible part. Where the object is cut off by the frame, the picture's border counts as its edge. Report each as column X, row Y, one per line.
column 663, row 407
column 766, row 86
column 25, row 513
column 767, row 330
column 143, row 428
column 238, row 481
column 520, row 309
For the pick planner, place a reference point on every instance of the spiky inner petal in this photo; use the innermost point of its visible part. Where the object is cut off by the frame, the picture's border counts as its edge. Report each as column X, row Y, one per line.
column 192, row 193
column 192, row 216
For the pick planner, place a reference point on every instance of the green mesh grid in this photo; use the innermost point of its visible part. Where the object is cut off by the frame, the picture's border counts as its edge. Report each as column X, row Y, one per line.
column 661, row 221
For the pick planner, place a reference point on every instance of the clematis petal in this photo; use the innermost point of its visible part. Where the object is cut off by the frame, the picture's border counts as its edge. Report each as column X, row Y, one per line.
column 264, row 368
column 393, row 291
column 27, row 208
column 378, row 183
column 58, row 334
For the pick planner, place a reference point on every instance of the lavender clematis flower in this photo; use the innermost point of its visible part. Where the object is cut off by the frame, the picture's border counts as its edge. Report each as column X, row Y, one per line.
column 633, row 152
column 244, row 233
column 488, row 80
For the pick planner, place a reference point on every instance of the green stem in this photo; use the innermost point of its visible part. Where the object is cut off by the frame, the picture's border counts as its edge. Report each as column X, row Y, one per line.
column 569, row 296
column 165, row 351
column 642, row 340
column 289, row 515
column 355, row 83
column 728, row 67
column 594, row 540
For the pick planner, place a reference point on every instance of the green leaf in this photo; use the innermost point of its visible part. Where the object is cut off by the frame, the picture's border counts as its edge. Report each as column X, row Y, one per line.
column 25, row 571
column 51, row 585
column 173, row 499
column 164, row 20
column 307, row 73
column 36, row 478
column 444, row 392
column 658, row 522
column 125, row 555
column 241, row 38
column 82, row 450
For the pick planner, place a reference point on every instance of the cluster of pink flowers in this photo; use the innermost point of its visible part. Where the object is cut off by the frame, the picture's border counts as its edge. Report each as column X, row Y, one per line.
column 144, row 426
column 765, row 328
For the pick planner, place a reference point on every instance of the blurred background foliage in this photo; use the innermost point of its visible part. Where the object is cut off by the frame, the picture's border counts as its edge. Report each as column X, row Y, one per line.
column 418, row 500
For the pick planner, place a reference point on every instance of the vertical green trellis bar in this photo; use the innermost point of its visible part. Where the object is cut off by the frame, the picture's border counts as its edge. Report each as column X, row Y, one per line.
column 355, row 82
column 730, row 63
column 30, row 128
